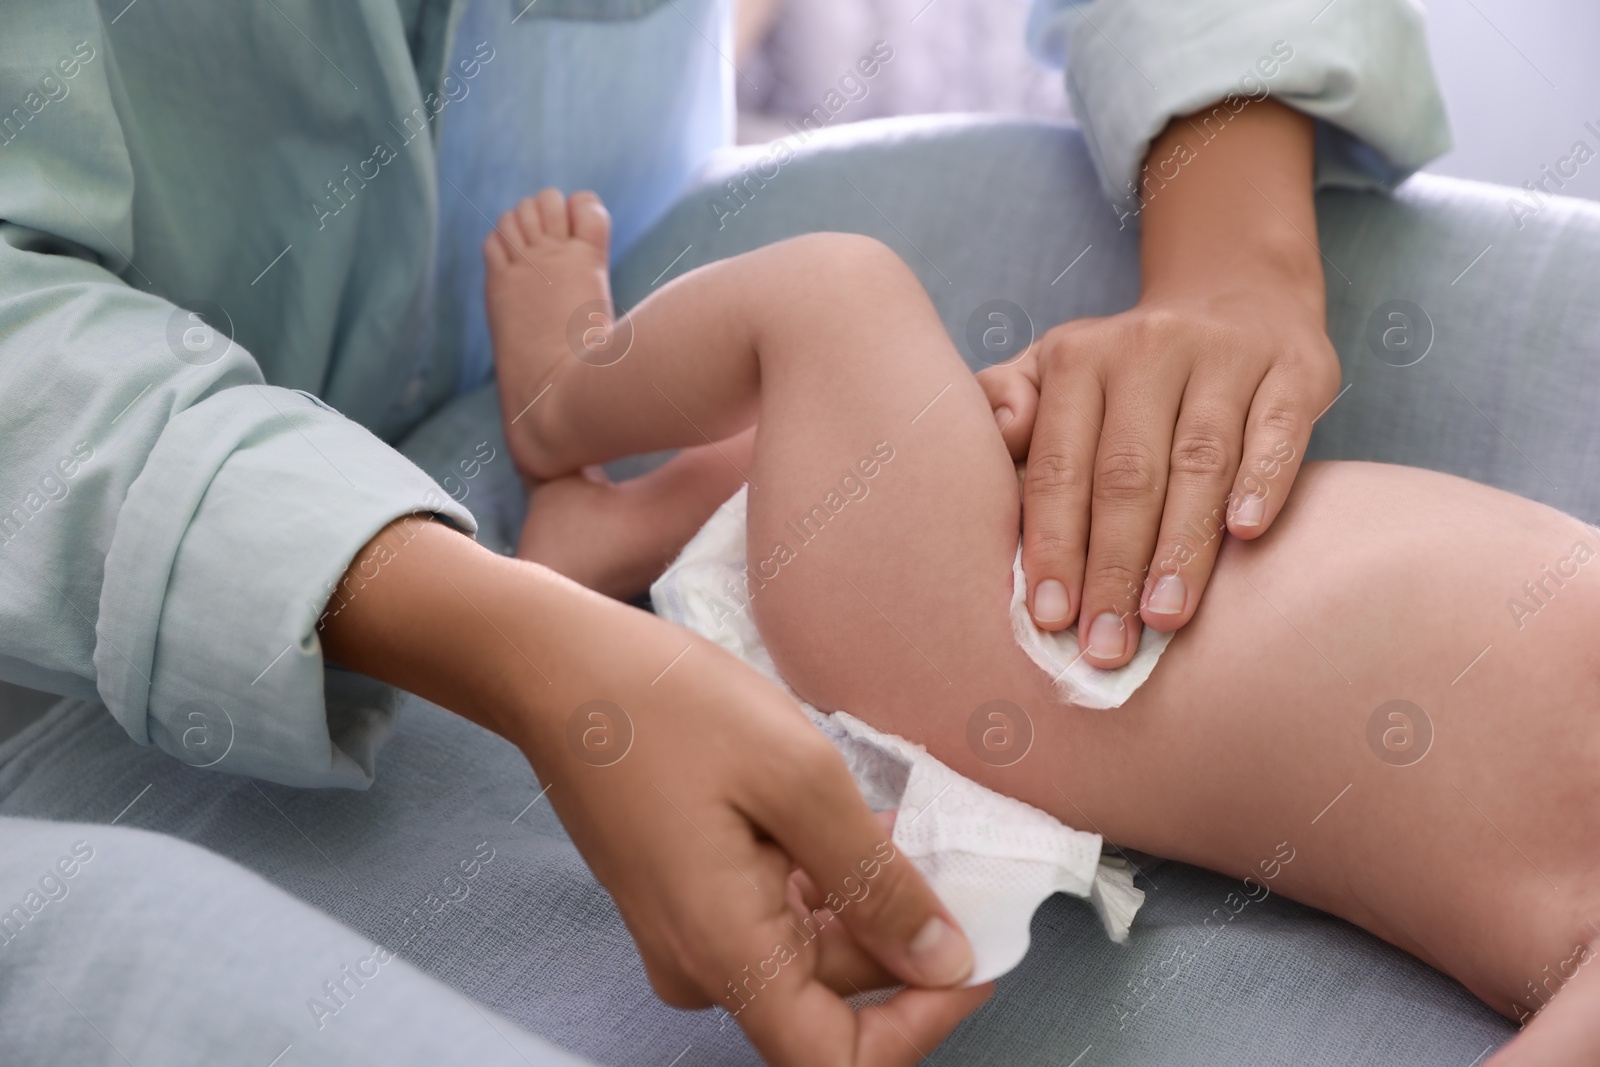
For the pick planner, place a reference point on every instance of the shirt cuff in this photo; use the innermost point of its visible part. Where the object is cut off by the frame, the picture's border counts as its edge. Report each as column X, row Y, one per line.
column 248, row 511
column 1359, row 67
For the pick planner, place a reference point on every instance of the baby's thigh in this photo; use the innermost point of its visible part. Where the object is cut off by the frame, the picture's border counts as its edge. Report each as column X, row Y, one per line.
column 884, row 513
column 1382, row 583
column 1400, row 679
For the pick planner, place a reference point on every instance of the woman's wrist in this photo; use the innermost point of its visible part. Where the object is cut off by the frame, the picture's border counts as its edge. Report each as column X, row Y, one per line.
column 1231, row 207
column 499, row 641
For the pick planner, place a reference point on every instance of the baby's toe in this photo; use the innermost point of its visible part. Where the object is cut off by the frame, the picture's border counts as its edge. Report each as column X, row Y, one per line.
column 552, row 209
column 591, row 222
column 509, row 229
column 496, row 250
column 530, row 219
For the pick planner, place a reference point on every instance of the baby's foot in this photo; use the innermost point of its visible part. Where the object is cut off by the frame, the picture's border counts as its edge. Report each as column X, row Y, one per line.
column 547, row 288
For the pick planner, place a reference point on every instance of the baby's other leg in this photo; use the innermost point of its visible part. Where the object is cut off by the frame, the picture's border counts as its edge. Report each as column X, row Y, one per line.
column 617, row 537
column 582, row 387
column 579, row 387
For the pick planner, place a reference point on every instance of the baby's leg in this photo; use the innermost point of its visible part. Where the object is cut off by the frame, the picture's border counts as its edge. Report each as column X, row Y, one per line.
column 549, row 304
column 693, row 363
column 870, row 427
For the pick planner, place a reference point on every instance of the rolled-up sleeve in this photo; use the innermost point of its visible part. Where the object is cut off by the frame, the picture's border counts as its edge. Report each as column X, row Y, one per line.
column 1359, row 67
column 171, row 527
column 247, row 511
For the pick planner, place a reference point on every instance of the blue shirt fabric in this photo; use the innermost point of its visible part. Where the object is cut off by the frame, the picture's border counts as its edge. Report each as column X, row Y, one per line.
column 628, row 101
column 238, row 260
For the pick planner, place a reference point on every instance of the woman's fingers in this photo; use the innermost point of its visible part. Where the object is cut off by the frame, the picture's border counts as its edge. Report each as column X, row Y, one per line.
column 1204, row 458
column 1276, row 435
column 842, row 964
column 801, row 1022
column 1058, row 483
column 1131, row 467
column 913, row 1022
column 1157, row 431
column 815, row 812
column 882, row 925
column 699, row 844
column 1014, row 398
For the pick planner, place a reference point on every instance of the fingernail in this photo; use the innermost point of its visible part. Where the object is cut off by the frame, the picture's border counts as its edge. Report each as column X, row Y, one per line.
column 940, row 954
column 1249, row 511
column 1003, row 416
column 1107, row 636
column 1167, row 597
column 1049, row 601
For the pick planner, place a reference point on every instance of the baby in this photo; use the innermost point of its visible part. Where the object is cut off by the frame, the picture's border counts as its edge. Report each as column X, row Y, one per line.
column 1470, row 838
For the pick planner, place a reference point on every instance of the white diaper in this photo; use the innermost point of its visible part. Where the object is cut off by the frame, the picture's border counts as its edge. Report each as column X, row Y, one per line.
column 992, row 859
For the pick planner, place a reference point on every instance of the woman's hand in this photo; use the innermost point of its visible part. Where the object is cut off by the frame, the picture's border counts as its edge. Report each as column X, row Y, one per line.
column 1150, row 433
column 693, row 787
column 725, row 791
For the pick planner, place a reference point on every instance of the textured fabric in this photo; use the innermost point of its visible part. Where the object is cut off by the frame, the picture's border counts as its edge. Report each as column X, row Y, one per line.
column 1276, row 984
column 629, row 107
column 992, row 859
column 535, row 939
column 119, row 946
column 1360, row 67
column 148, row 475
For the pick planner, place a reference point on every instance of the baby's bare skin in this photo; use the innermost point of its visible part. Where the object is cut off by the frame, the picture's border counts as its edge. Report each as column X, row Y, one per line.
column 1256, row 721
column 1376, row 584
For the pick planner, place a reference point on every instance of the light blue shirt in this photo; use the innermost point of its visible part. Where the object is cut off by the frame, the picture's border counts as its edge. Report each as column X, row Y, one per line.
column 239, row 258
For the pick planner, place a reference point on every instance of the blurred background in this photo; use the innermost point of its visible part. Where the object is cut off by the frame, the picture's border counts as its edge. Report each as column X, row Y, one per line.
column 1520, row 77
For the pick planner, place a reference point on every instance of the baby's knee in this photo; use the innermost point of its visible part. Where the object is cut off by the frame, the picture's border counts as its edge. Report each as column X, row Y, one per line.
column 845, row 265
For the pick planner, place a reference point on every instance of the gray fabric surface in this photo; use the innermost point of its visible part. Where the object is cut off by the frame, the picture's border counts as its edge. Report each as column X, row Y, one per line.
column 982, row 211
column 122, row 947
column 20, row 707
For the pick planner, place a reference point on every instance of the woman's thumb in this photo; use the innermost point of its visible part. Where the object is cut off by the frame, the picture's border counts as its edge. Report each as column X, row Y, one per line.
column 1015, row 402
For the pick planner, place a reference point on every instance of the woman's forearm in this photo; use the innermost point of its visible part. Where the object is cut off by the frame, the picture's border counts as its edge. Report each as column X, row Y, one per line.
column 425, row 608
column 1228, row 196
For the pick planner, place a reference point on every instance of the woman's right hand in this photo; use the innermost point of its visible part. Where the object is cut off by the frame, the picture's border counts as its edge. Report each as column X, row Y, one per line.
column 693, row 786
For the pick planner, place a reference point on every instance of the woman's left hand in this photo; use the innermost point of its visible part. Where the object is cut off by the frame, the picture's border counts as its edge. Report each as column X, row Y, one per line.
column 1147, row 435
column 1151, row 432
